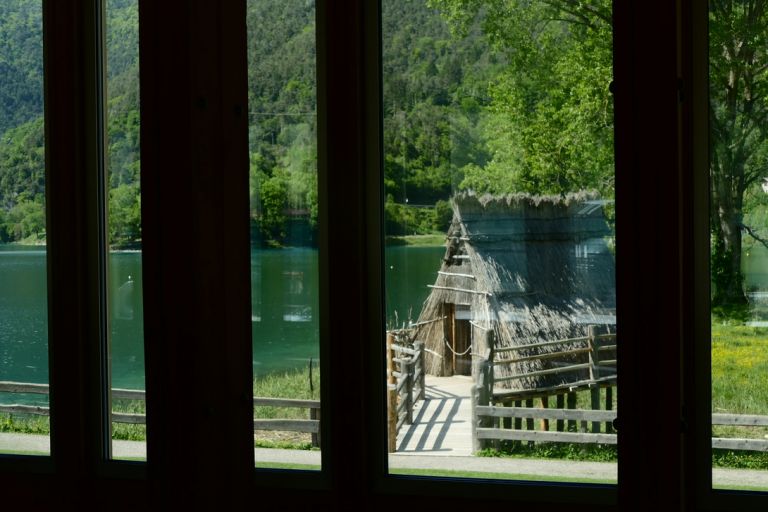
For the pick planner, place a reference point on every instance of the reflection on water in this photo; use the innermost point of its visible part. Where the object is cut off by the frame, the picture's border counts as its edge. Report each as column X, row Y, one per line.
column 284, row 316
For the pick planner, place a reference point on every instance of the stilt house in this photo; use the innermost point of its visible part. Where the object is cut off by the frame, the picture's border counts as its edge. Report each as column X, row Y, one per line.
column 524, row 281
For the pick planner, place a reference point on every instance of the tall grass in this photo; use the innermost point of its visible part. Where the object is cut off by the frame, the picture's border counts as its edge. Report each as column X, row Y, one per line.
column 739, row 386
column 290, row 384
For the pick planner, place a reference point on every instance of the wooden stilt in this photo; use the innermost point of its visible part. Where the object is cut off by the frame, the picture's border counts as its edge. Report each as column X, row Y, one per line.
column 595, row 397
column 609, row 407
column 571, row 404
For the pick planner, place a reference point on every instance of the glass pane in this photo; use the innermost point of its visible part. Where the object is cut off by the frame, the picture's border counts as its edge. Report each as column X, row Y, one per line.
column 24, row 423
column 126, row 317
column 284, row 271
column 500, row 282
column 738, row 98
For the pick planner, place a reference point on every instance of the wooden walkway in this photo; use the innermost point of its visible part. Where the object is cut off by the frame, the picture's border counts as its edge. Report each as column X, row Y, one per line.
column 441, row 422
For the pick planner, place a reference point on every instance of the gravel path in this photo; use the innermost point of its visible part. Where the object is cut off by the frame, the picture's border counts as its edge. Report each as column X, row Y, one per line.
column 605, row 471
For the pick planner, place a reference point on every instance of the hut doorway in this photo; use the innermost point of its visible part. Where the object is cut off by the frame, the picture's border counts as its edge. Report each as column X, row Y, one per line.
column 459, row 338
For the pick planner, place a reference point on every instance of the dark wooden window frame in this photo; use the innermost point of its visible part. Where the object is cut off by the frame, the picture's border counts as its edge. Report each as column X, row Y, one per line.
column 195, row 208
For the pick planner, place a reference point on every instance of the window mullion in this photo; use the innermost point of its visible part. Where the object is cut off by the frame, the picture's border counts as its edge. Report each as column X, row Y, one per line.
column 195, row 211
column 73, row 136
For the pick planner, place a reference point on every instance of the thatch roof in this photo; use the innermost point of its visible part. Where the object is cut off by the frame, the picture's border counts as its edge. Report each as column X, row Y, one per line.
column 531, row 269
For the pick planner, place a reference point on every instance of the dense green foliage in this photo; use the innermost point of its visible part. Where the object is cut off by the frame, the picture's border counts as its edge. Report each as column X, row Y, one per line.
column 549, row 126
column 490, row 95
column 22, row 160
column 458, row 113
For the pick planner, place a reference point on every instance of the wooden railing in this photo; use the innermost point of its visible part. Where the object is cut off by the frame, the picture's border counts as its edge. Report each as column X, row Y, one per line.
column 494, row 423
column 311, row 425
column 743, row 420
column 488, row 422
column 405, row 385
column 487, row 419
column 588, row 348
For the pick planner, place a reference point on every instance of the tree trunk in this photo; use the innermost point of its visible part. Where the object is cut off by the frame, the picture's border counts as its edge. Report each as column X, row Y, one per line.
column 726, row 219
column 727, row 279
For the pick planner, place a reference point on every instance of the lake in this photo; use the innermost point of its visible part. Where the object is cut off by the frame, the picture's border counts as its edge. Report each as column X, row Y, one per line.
column 284, row 311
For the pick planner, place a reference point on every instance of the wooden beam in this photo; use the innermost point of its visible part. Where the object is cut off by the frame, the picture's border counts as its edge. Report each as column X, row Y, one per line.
column 551, row 355
column 286, row 402
column 550, row 414
column 462, row 290
column 468, row 276
column 740, row 419
column 308, row 426
column 23, row 387
column 535, row 435
column 760, row 445
column 551, row 371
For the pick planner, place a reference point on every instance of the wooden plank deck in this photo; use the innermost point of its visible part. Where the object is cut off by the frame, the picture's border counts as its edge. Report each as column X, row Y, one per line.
column 441, row 422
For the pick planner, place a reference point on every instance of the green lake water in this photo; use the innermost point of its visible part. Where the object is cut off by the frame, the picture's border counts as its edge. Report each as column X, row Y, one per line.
column 284, row 312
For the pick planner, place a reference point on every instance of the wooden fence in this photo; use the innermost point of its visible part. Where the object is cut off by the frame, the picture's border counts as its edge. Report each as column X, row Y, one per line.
column 591, row 349
column 405, row 385
column 493, row 423
column 311, row 425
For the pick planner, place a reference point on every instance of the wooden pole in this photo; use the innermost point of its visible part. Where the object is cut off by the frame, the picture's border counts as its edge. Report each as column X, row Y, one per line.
column 544, row 421
column 571, row 404
column 390, row 364
column 391, row 397
column 609, row 407
column 560, row 405
column 408, row 373
column 529, row 423
column 392, row 418
column 477, row 444
column 491, row 358
column 314, row 414
column 422, row 367
column 595, row 397
column 594, row 353
column 452, row 320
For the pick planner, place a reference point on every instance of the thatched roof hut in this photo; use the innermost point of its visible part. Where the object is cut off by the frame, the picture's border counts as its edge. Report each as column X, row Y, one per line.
column 519, row 270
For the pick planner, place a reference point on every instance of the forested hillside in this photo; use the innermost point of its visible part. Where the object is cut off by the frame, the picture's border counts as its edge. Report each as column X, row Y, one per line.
column 470, row 101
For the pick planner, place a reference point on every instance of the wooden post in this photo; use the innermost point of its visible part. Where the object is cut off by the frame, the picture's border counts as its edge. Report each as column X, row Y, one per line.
column 545, row 421
column 609, row 407
column 595, row 397
column 420, row 369
column 390, row 365
column 392, row 417
column 594, row 374
column 491, row 359
column 408, row 374
column 477, row 444
column 594, row 356
column 529, row 423
column 480, row 396
column 560, row 405
column 571, row 404
column 451, row 335
column 518, row 421
column 506, row 422
column 314, row 414
column 391, row 397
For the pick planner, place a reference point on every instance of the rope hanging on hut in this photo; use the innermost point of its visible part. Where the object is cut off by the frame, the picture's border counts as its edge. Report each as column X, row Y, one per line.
column 457, row 353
